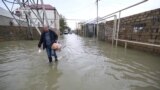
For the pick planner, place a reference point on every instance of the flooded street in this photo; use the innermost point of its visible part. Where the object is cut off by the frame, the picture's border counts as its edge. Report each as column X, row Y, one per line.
column 84, row 64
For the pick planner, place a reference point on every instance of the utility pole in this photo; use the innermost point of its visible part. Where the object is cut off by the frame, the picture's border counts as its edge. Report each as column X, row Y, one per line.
column 55, row 18
column 97, row 18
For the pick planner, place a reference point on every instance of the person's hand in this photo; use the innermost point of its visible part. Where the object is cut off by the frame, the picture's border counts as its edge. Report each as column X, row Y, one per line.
column 39, row 51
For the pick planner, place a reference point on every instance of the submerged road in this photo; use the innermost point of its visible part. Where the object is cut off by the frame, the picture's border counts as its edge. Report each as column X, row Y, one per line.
column 84, row 64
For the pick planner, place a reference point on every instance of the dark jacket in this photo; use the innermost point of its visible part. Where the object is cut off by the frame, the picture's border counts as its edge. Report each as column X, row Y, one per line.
column 53, row 37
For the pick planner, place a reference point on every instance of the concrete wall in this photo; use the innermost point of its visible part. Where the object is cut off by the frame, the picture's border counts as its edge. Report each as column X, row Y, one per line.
column 9, row 33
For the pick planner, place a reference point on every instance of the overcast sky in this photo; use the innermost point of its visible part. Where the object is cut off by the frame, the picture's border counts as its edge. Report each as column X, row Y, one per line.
column 86, row 9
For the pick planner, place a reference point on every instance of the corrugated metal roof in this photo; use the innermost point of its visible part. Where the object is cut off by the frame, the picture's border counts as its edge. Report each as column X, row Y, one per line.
column 39, row 6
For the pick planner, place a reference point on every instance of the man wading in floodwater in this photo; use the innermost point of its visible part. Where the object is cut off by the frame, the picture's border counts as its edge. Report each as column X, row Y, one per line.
column 48, row 37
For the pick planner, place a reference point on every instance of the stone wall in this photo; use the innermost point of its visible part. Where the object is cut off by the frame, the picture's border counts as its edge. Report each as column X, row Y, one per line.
column 8, row 33
column 142, row 27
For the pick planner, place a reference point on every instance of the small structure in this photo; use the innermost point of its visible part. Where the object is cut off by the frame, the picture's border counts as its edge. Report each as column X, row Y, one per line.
column 87, row 29
column 37, row 9
column 6, row 19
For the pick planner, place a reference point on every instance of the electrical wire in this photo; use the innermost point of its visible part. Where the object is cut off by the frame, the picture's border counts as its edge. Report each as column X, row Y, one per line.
column 115, row 12
column 14, row 2
column 75, row 19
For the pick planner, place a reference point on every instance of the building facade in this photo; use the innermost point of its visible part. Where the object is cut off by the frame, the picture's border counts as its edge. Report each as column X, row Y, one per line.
column 34, row 10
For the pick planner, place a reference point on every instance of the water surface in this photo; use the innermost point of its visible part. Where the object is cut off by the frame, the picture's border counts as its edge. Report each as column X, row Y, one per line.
column 84, row 64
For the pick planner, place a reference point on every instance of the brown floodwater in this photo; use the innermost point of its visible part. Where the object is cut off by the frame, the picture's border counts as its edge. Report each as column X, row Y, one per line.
column 84, row 64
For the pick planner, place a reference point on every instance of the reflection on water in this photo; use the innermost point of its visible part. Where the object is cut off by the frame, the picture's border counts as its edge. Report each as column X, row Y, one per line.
column 84, row 64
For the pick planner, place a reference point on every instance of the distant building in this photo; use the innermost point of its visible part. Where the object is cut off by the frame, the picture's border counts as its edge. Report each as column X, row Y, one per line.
column 52, row 14
column 87, row 29
column 6, row 19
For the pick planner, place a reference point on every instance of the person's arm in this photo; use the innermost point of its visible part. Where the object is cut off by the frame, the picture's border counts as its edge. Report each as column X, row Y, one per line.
column 55, row 36
column 41, row 40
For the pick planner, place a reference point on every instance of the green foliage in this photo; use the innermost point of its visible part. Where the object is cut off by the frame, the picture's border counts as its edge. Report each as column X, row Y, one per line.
column 63, row 24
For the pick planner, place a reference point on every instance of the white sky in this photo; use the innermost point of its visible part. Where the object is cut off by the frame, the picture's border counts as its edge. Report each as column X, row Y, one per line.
column 86, row 9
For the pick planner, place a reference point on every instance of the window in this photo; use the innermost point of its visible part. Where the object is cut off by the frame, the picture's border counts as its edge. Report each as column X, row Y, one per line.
column 138, row 27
